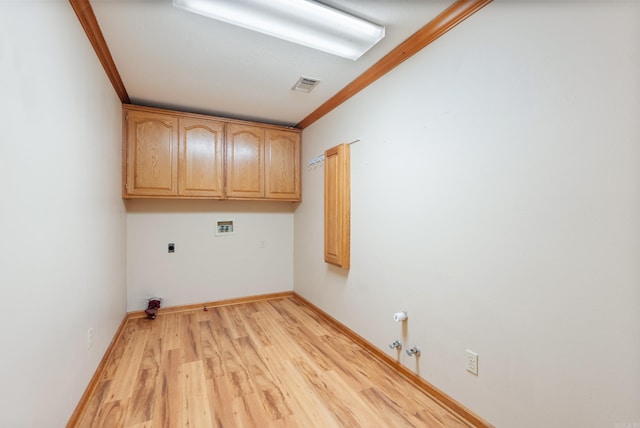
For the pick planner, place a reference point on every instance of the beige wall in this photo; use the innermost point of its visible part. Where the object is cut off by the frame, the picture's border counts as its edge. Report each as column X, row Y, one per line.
column 496, row 197
column 63, row 221
column 256, row 259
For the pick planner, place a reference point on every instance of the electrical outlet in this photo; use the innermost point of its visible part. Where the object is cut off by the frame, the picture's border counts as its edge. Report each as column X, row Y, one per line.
column 472, row 362
column 90, row 338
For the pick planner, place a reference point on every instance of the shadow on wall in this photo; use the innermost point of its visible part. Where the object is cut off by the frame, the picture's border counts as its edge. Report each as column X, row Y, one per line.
column 205, row 206
column 338, row 271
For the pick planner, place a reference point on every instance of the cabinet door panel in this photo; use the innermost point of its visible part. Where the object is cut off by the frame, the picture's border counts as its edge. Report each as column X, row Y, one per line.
column 201, row 163
column 337, row 206
column 151, row 154
column 282, row 165
column 245, row 161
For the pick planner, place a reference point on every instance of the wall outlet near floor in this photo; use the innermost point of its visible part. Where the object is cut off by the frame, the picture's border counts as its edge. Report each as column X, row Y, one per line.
column 472, row 362
column 90, row 338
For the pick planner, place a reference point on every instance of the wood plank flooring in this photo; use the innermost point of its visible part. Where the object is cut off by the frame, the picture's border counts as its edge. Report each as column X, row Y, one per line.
column 271, row 363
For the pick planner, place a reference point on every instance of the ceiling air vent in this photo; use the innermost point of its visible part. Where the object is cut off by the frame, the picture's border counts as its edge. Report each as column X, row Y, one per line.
column 305, row 84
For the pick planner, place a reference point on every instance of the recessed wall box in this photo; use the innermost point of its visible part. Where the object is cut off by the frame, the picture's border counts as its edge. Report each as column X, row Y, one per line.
column 224, row 227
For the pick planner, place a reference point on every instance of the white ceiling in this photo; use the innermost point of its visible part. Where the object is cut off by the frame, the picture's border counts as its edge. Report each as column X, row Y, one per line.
column 174, row 59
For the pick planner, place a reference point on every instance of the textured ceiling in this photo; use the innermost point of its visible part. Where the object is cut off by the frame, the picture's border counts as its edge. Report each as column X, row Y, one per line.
column 171, row 58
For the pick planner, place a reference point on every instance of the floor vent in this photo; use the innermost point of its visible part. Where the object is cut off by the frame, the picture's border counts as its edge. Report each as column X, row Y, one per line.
column 305, row 84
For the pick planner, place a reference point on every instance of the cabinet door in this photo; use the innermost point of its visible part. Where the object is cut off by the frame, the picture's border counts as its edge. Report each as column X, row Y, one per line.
column 282, row 180
column 245, row 161
column 337, row 206
column 152, row 148
column 200, row 163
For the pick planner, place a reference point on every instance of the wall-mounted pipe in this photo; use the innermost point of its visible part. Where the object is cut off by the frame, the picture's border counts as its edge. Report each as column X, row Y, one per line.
column 400, row 316
column 396, row 345
column 413, row 351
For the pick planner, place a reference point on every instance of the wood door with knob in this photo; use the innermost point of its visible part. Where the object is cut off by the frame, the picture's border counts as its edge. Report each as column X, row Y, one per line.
column 245, row 161
column 151, row 151
column 201, row 163
column 282, row 167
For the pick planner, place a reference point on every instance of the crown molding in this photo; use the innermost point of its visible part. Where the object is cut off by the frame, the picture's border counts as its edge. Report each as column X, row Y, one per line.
column 449, row 18
column 88, row 20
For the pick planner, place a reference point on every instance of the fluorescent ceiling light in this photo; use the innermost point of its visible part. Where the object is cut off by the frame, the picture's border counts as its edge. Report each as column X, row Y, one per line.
column 299, row 21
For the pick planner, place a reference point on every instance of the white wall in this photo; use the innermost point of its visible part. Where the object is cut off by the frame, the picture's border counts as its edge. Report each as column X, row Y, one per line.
column 496, row 197
column 63, row 221
column 256, row 259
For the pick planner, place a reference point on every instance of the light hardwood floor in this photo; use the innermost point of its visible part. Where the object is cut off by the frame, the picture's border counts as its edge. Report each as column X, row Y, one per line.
column 271, row 363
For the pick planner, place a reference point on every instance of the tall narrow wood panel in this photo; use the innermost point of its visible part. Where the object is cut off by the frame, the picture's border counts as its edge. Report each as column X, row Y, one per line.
column 282, row 164
column 152, row 149
column 337, row 206
column 201, row 166
column 245, row 161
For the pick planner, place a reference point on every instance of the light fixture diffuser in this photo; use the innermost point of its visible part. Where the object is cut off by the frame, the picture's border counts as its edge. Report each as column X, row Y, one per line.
column 303, row 22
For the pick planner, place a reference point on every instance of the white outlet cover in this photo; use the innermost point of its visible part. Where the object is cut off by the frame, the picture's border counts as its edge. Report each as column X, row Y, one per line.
column 472, row 362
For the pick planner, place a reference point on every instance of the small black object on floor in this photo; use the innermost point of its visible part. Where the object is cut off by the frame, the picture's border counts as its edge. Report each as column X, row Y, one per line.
column 152, row 309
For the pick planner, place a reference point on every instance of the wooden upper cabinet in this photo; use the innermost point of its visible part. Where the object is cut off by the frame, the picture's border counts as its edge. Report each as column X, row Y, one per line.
column 201, row 166
column 171, row 154
column 282, row 166
column 245, row 161
column 152, row 149
column 337, row 206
